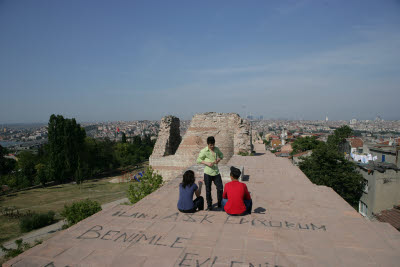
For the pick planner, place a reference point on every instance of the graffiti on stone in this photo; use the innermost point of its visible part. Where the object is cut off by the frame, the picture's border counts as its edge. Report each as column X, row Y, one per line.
column 194, row 259
column 98, row 232
column 209, row 219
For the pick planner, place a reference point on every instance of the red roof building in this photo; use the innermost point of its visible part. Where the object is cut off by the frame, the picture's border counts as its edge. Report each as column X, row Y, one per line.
column 356, row 142
column 391, row 216
column 275, row 143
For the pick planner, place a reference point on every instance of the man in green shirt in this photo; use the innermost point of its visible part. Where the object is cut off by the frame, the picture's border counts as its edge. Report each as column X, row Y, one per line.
column 210, row 156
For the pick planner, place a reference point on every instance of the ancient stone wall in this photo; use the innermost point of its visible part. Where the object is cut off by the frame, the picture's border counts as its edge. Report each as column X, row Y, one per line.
column 169, row 137
column 232, row 135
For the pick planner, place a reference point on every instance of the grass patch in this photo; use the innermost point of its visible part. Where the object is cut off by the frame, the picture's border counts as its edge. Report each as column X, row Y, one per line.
column 9, row 228
column 53, row 198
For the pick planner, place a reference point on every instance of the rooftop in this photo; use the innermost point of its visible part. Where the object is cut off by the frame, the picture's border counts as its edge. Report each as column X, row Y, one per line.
column 294, row 223
column 391, row 216
column 356, row 142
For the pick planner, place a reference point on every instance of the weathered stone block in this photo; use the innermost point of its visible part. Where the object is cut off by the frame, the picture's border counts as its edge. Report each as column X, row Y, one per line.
column 232, row 135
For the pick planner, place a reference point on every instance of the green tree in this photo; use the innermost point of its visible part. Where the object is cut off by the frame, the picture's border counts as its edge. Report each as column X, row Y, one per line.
column 132, row 153
column 326, row 166
column 26, row 166
column 339, row 135
column 304, row 143
column 41, row 174
column 82, row 171
column 123, row 138
column 106, row 155
column 6, row 165
column 66, row 142
column 125, row 154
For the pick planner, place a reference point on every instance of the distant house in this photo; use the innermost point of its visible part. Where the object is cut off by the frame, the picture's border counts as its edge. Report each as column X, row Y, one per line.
column 11, row 156
column 353, row 145
column 356, row 145
column 385, row 153
column 382, row 189
column 275, row 143
column 287, row 148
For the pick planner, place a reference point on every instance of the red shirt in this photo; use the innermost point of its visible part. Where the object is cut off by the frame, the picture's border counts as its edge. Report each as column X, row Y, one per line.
column 235, row 192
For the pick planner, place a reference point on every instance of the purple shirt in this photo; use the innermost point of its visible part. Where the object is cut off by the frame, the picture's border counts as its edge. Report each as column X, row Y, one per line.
column 185, row 201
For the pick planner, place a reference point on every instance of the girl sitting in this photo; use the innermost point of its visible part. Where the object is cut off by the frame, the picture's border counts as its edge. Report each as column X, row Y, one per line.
column 187, row 188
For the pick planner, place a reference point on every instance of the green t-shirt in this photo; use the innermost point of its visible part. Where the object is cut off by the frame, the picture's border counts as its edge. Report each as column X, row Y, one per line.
column 210, row 156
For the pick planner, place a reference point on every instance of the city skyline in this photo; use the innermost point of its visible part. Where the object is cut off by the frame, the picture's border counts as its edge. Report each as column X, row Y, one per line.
column 123, row 60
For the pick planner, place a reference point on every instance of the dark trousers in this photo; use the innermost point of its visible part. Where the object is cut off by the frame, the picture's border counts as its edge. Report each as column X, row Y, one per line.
column 198, row 205
column 218, row 183
column 247, row 203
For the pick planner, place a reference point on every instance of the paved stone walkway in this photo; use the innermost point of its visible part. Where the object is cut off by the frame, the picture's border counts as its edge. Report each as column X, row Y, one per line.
column 295, row 223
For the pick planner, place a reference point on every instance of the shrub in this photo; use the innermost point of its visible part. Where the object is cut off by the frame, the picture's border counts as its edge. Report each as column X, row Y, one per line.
column 149, row 183
column 36, row 221
column 80, row 210
column 243, row 153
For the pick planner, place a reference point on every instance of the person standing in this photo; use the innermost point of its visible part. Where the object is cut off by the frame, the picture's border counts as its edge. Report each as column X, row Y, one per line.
column 210, row 156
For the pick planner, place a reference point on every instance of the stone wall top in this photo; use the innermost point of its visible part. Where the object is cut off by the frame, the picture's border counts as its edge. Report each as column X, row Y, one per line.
column 232, row 135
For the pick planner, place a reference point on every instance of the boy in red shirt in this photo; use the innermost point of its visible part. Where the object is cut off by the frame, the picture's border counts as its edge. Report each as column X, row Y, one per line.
column 236, row 198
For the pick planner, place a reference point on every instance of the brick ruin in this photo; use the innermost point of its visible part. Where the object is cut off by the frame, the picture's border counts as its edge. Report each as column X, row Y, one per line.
column 169, row 137
column 173, row 154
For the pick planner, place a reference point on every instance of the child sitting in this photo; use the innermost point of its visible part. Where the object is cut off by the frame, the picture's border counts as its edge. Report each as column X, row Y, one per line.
column 187, row 188
column 236, row 198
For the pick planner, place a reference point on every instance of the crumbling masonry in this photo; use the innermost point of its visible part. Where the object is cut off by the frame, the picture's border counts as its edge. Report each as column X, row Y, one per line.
column 171, row 156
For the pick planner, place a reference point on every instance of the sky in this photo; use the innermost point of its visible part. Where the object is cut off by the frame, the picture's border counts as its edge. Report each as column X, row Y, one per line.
column 115, row 60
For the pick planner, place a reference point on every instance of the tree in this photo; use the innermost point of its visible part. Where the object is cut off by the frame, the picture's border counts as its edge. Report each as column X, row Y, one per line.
column 123, row 138
column 304, row 143
column 326, row 166
column 66, row 140
column 132, row 153
column 339, row 135
column 26, row 165
column 123, row 154
column 6, row 165
column 41, row 175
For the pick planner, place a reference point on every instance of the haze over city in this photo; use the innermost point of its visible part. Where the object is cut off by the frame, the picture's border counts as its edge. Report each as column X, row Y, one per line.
column 141, row 60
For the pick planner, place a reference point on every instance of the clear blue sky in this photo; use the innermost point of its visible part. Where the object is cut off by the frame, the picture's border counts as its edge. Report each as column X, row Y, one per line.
column 130, row 60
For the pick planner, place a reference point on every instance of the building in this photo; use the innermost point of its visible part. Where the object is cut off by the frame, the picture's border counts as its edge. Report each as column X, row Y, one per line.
column 287, row 148
column 386, row 153
column 353, row 145
column 275, row 143
column 382, row 189
column 391, row 216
